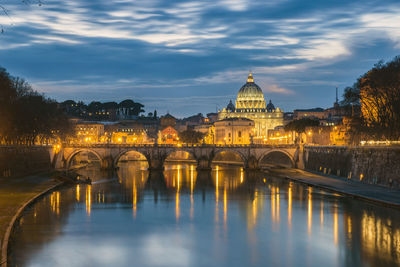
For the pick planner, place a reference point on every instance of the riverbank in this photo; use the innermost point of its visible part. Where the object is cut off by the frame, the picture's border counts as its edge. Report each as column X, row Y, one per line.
column 15, row 195
column 369, row 192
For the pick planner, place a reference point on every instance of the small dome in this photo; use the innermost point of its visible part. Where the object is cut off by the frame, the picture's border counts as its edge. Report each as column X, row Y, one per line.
column 230, row 106
column 270, row 106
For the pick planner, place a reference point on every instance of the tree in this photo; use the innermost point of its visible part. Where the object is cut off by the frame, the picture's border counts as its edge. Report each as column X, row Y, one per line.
column 380, row 100
column 191, row 137
column 5, row 11
column 26, row 114
column 351, row 96
column 110, row 105
column 132, row 107
column 300, row 125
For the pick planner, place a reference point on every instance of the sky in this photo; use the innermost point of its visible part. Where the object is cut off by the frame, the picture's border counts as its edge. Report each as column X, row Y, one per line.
column 189, row 57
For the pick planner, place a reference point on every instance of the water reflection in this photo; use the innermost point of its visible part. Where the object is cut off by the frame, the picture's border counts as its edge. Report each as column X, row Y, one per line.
column 226, row 217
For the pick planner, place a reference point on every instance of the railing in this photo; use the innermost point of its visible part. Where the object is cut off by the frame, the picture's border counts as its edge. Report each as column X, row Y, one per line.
column 380, row 143
column 102, row 145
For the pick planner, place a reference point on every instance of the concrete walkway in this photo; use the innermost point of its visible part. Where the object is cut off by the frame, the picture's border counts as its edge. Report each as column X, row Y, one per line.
column 15, row 194
column 360, row 190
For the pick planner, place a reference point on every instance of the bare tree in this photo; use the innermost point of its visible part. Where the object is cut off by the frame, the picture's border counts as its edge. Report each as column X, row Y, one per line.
column 6, row 12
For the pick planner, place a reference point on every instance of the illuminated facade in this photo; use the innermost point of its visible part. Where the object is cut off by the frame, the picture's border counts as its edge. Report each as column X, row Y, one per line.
column 89, row 132
column 168, row 136
column 233, row 131
column 250, row 104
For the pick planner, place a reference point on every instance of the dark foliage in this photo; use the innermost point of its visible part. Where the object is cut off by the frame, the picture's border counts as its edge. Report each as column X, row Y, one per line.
column 300, row 126
column 102, row 111
column 26, row 114
column 191, row 137
column 377, row 94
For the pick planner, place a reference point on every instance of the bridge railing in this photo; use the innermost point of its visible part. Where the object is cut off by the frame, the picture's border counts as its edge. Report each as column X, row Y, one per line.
column 102, row 145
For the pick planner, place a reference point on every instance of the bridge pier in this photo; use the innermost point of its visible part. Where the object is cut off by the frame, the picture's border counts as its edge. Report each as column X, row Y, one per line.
column 107, row 163
column 251, row 163
column 156, row 164
column 203, row 163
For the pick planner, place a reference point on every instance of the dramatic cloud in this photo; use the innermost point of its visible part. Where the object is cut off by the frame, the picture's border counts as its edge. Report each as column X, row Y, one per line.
column 169, row 51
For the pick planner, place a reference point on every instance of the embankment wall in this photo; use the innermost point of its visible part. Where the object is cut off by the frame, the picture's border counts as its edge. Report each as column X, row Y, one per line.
column 373, row 165
column 21, row 160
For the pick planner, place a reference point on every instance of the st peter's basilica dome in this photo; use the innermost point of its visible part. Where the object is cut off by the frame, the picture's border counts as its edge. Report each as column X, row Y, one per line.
column 250, row 96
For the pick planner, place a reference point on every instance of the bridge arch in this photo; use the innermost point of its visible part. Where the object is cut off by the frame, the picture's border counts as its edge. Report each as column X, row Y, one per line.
column 231, row 156
column 277, row 157
column 126, row 152
column 76, row 152
column 189, row 155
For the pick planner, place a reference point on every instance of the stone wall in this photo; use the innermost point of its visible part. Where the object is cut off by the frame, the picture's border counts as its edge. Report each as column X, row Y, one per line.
column 19, row 160
column 374, row 165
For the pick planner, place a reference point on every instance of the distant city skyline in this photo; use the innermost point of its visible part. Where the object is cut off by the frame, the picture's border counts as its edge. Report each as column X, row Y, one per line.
column 189, row 57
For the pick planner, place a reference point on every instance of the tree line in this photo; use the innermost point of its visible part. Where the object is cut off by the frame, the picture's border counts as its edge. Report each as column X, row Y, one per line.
column 26, row 115
column 96, row 110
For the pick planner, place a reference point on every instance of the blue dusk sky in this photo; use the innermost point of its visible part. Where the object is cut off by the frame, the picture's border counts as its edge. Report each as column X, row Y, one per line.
column 187, row 57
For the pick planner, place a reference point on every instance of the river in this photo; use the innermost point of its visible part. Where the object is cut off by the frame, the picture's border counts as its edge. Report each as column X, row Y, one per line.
column 179, row 217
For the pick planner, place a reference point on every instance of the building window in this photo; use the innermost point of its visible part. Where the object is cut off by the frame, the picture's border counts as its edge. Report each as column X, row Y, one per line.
column 240, row 133
column 229, row 135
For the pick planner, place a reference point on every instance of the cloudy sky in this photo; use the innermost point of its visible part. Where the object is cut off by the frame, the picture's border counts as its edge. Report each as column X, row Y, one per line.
column 187, row 57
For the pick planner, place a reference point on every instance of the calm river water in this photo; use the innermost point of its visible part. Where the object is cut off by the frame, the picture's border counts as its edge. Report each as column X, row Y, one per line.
column 183, row 218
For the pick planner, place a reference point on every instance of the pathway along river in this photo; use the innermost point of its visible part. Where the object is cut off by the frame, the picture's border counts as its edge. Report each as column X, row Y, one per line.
column 183, row 218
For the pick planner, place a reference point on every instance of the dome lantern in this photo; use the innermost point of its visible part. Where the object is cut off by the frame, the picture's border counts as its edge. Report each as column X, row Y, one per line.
column 250, row 78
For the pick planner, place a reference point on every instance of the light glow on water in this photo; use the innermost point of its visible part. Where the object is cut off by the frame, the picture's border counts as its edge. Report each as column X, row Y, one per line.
column 182, row 217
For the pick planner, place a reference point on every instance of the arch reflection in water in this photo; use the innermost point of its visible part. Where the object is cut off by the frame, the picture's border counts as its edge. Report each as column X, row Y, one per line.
column 265, row 220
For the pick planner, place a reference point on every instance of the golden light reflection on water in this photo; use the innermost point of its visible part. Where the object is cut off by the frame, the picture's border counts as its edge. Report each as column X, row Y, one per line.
column 349, row 226
column 255, row 200
column 216, row 194
column 277, row 206
column 88, row 199
column 134, row 197
column 322, row 213
column 368, row 235
column 78, row 193
column 380, row 237
column 225, row 207
column 273, row 204
column 309, row 213
column 290, row 205
column 177, row 210
column 191, row 191
column 55, row 202
column 335, row 225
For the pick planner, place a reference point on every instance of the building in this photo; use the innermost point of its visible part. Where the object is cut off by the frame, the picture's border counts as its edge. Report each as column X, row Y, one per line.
column 89, row 132
column 312, row 113
column 279, row 136
column 212, row 117
column 129, row 132
column 233, row 131
column 167, row 120
column 168, row 135
column 250, row 104
column 328, row 117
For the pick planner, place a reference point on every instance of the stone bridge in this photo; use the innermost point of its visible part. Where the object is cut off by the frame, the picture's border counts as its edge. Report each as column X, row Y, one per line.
column 109, row 155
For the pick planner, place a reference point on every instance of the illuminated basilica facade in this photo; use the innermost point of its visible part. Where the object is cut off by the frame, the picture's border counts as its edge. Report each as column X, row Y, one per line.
column 250, row 104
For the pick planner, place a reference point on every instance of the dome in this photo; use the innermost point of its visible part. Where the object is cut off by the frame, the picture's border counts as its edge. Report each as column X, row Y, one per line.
column 270, row 106
column 250, row 95
column 230, row 106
